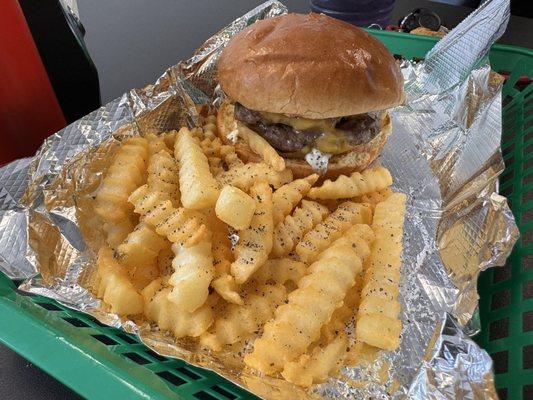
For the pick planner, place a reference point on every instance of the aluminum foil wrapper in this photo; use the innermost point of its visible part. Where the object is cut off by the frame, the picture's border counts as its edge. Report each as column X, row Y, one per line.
column 444, row 153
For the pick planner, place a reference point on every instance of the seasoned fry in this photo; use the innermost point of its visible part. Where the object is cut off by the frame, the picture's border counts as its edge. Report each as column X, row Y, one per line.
column 319, row 365
column 290, row 194
column 163, row 176
column 238, row 322
column 118, row 231
column 377, row 320
column 178, row 225
column 223, row 283
column 230, row 157
column 243, row 176
column 357, row 184
column 156, row 144
column 235, row 207
column 164, row 262
column 211, row 147
column 141, row 246
column 298, row 323
column 193, row 272
column 261, row 147
column 168, row 316
column 374, row 198
column 291, row 230
column 342, row 315
column 318, row 238
column 115, row 286
column 280, row 270
column 124, row 175
column 255, row 242
column 198, row 187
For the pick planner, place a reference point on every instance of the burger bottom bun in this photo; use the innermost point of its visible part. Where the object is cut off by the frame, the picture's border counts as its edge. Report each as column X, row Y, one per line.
column 359, row 158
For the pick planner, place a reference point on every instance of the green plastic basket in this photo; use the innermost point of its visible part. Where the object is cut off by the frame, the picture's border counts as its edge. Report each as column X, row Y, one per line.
column 102, row 362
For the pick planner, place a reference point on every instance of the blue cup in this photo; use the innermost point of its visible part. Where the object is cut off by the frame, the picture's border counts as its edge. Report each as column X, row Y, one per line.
column 357, row 12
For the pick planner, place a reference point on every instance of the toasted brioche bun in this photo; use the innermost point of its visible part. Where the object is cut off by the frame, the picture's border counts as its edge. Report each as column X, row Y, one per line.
column 311, row 66
column 356, row 160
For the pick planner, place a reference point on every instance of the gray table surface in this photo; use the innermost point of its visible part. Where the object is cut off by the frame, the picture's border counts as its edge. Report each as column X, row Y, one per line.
column 131, row 45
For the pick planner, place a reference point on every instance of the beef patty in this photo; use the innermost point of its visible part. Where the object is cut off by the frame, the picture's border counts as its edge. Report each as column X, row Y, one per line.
column 356, row 129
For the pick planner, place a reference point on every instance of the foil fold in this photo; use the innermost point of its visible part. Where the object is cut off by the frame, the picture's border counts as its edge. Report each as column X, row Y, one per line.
column 444, row 153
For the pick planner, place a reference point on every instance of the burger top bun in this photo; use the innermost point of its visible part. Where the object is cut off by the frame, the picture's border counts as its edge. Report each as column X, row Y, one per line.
column 309, row 65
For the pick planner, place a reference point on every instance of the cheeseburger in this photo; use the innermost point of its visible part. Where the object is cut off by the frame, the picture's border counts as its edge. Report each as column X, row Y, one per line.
column 315, row 88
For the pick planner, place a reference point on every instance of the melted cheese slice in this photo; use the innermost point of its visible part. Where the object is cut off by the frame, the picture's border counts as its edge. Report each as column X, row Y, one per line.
column 332, row 141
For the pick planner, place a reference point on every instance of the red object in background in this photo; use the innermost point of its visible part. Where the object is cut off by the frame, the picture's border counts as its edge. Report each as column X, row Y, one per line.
column 29, row 110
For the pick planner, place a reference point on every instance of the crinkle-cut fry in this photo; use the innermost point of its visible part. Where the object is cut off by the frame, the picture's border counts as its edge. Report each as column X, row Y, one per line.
column 280, row 270
column 261, row 147
column 198, row 188
column 164, row 261
column 342, row 315
column 117, row 232
column 235, row 207
column 141, row 246
column 193, row 273
column 168, row 316
column 179, row 225
column 298, row 323
column 243, row 176
column 291, row 230
column 211, row 146
column 318, row 366
column 223, row 283
column 332, row 227
column 357, row 184
column 163, row 176
column 376, row 197
column 170, row 139
column 115, row 286
column 227, row 288
column 124, row 175
column 230, row 157
column 289, row 195
column 377, row 319
column 255, row 242
column 239, row 321
column 361, row 353
column 156, row 144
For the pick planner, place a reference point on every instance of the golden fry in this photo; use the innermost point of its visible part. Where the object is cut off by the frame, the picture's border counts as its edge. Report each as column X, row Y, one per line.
column 239, row 321
column 115, row 286
column 168, row 316
column 319, row 365
column 255, row 242
column 291, row 230
column 318, row 238
column 245, row 175
column 298, row 323
column 377, row 319
column 260, row 146
column 289, row 195
column 193, row 272
column 235, row 207
column 198, row 188
column 357, row 184
column 281, row 270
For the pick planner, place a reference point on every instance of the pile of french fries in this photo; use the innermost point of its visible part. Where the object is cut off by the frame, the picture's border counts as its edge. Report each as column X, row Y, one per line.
column 206, row 246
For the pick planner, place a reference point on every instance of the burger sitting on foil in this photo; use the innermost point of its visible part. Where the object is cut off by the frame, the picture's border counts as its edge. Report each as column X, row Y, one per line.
column 314, row 87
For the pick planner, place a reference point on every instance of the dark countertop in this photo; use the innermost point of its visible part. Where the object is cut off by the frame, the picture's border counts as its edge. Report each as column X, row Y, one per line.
column 131, row 46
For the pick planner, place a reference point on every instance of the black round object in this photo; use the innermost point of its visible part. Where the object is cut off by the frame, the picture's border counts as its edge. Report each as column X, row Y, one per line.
column 429, row 20
column 420, row 17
